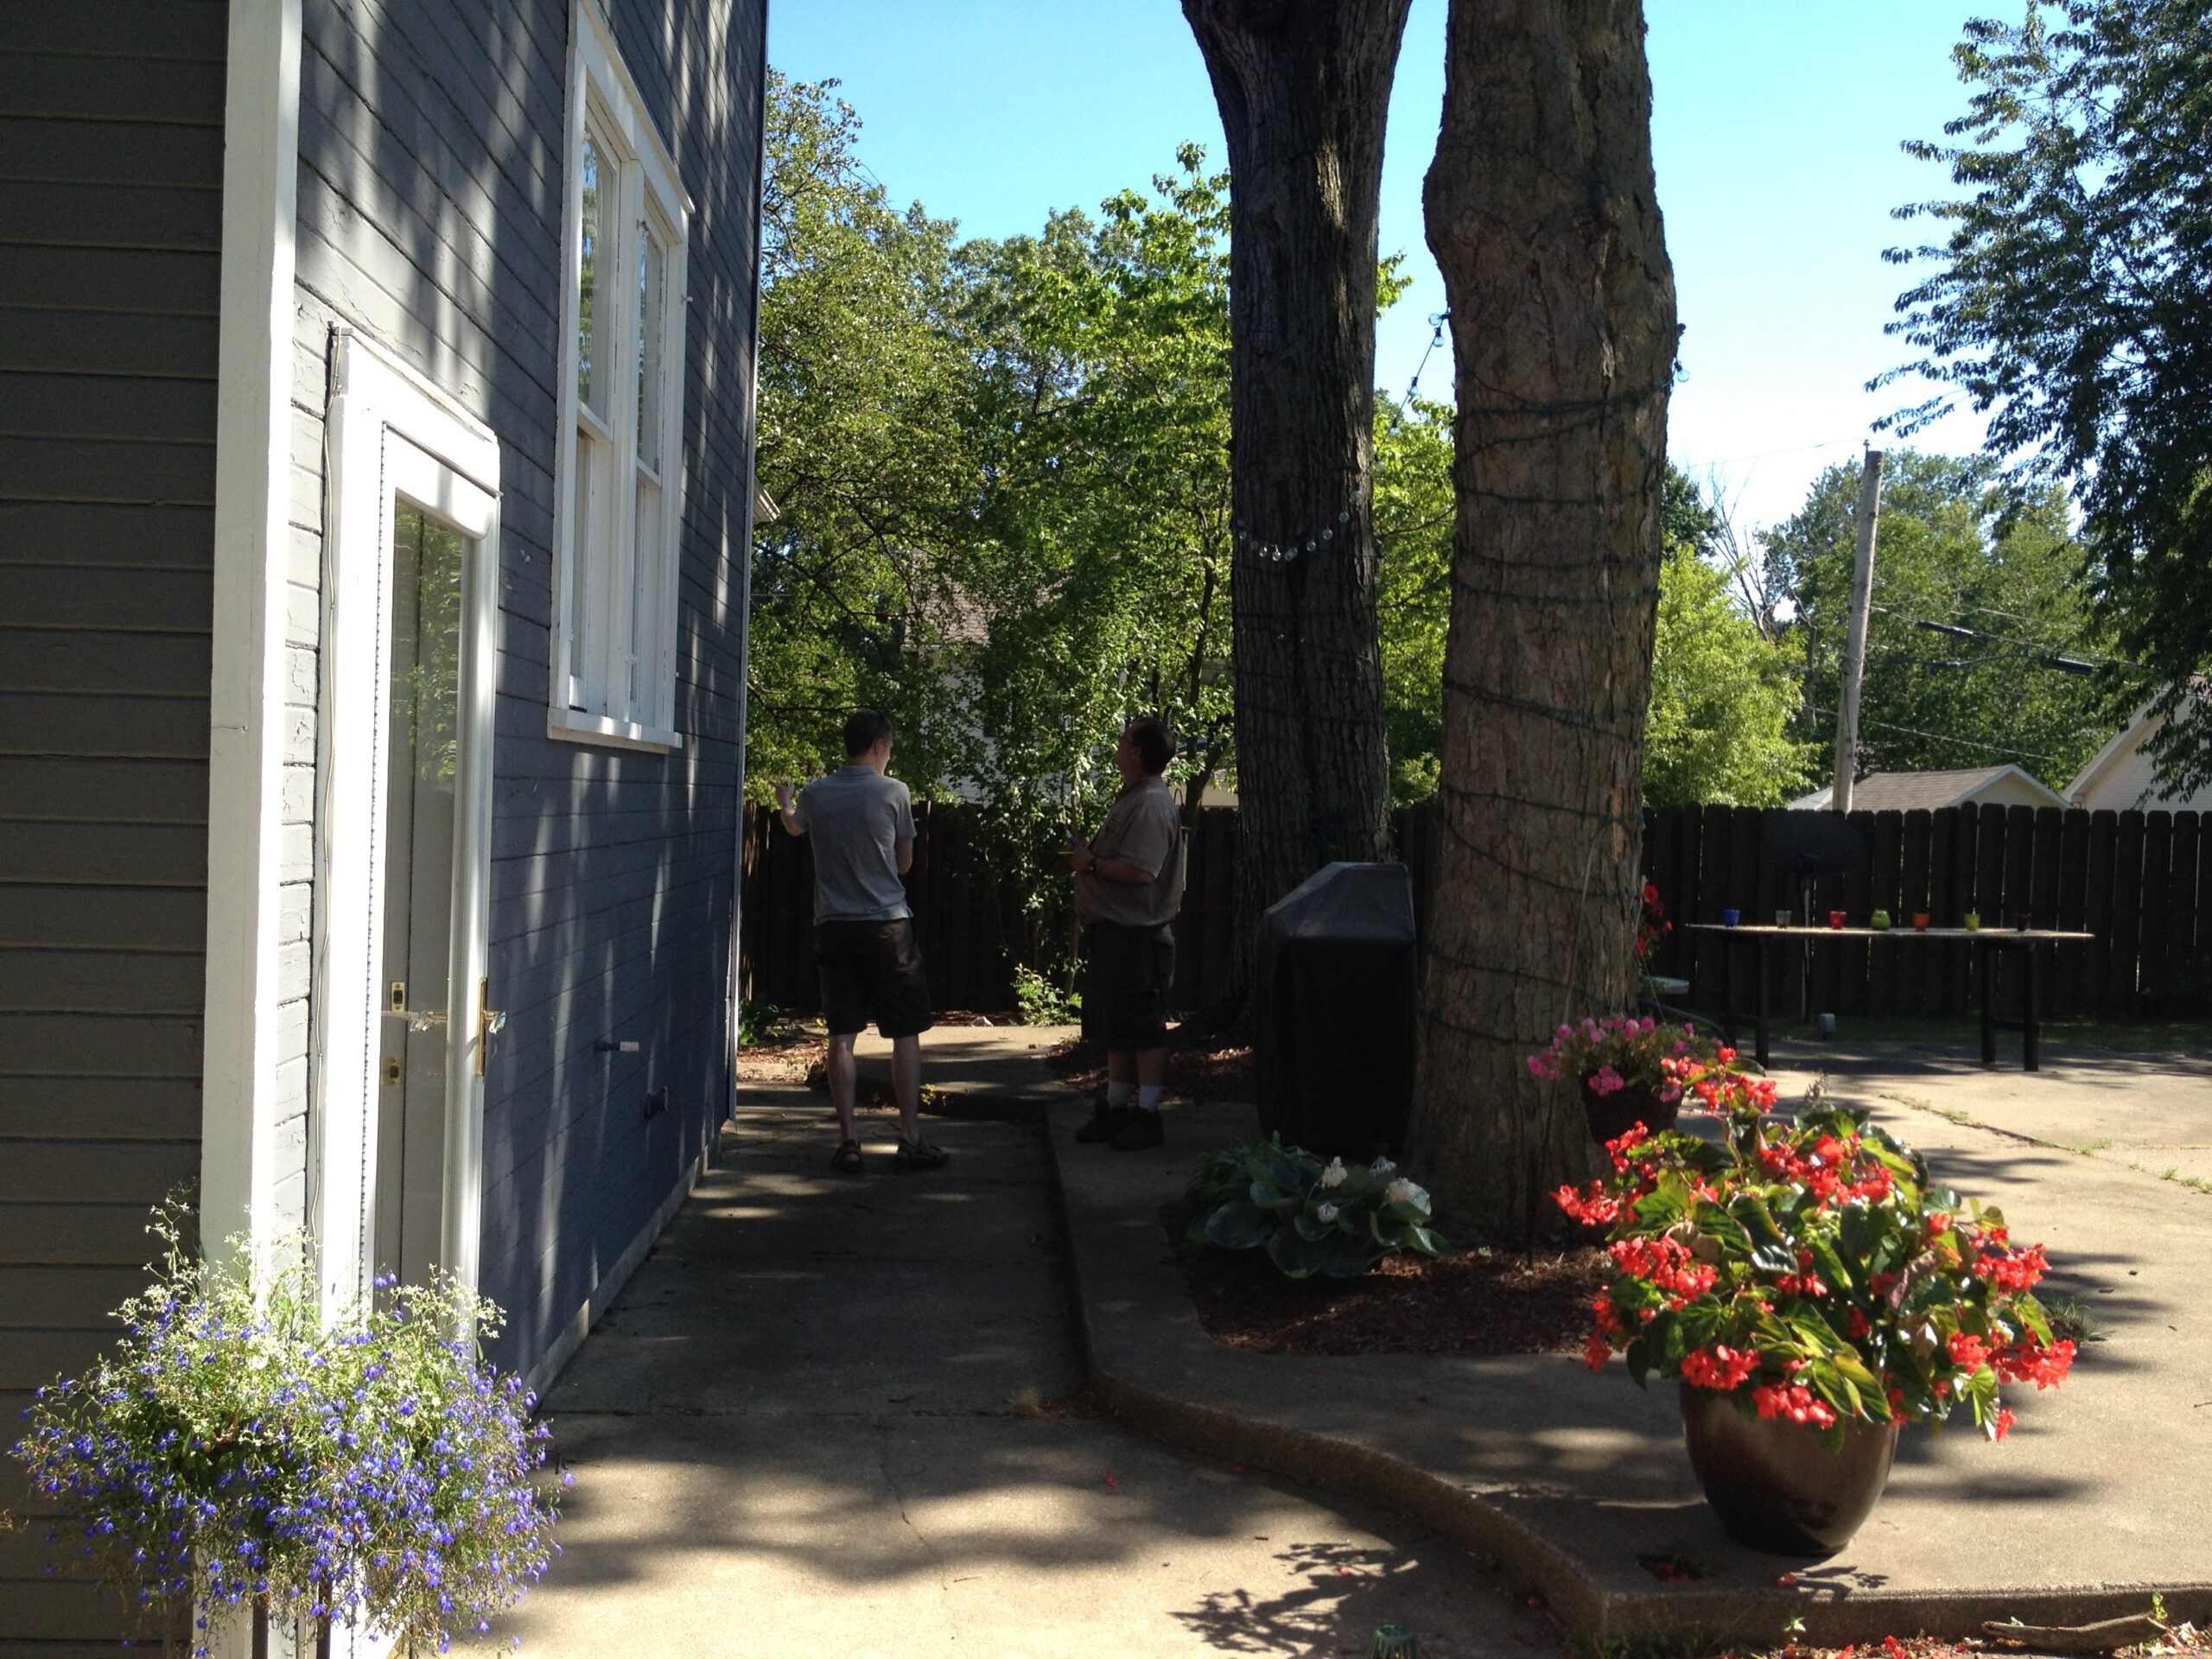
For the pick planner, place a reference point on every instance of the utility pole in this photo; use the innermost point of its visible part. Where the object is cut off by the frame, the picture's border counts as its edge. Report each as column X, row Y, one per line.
column 1854, row 650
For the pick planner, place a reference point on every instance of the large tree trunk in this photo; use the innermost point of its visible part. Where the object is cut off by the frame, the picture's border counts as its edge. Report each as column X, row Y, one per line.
column 1304, row 88
column 1542, row 215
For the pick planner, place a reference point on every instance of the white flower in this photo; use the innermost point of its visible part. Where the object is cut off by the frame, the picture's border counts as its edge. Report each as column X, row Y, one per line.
column 1381, row 1167
column 1327, row 1213
column 1403, row 1190
column 1334, row 1174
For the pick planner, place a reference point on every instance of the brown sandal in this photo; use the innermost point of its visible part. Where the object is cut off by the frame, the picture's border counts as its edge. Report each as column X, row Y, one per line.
column 845, row 1160
column 919, row 1154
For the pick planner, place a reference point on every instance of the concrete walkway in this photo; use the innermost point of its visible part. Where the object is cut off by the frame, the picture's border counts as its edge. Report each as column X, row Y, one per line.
column 2097, row 1499
column 791, row 1435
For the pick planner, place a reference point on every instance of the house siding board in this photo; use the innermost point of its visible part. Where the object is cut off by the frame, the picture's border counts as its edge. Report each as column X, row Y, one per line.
column 111, row 174
column 432, row 184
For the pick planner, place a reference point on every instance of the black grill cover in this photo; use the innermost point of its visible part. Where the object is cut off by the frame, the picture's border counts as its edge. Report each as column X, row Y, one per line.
column 1337, row 974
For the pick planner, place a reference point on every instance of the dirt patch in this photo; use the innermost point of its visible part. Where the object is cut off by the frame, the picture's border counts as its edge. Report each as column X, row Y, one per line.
column 784, row 1058
column 1201, row 1065
column 1470, row 1302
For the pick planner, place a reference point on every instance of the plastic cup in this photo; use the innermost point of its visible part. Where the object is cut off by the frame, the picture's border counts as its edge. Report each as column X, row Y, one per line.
column 1730, row 918
column 1783, row 918
column 1836, row 919
column 1920, row 921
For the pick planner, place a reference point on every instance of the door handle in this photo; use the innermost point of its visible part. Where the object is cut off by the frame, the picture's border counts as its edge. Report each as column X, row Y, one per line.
column 489, row 1021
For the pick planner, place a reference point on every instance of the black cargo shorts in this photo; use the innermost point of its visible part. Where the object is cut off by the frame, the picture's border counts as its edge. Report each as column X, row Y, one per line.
column 872, row 970
column 1129, row 973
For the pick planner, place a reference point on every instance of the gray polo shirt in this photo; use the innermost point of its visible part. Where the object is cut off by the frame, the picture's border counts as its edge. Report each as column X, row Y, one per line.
column 856, row 818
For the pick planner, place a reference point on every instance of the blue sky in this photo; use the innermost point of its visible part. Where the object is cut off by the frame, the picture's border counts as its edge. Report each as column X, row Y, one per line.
column 1776, row 130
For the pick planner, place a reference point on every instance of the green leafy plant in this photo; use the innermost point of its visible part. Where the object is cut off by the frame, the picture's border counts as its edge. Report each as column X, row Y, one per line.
column 234, row 1450
column 1333, row 1219
column 1040, row 1002
column 1812, row 1271
column 759, row 1022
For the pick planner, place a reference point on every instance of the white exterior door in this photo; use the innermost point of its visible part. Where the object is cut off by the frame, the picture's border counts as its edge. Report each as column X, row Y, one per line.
column 402, row 1009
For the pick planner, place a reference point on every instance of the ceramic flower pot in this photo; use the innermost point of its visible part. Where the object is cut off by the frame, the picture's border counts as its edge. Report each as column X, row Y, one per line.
column 1774, row 1485
column 1614, row 1116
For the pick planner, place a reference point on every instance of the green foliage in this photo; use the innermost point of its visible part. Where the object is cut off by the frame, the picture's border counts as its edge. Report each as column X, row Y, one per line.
column 1309, row 1217
column 2071, row 300
column 1723, row 695
column 1043, row 1003
column 1955, row 546
column 759, row 1022
column 862, row 447
column 1414, row 512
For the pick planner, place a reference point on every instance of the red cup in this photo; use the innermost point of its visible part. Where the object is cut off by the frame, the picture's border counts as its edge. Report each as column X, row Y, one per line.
column 1920, row 921
column 1836, row 919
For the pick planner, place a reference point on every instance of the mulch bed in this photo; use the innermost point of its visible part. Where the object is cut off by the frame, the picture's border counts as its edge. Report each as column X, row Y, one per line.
column 1474, row 1301
column 1201, row 1065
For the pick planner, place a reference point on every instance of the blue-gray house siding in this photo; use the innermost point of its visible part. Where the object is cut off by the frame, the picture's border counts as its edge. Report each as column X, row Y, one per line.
column 110, row 193
column 432, row 178
column 431, row 187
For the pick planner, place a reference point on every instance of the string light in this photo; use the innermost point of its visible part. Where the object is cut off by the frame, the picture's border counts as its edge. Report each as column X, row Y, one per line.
column 1278, row 552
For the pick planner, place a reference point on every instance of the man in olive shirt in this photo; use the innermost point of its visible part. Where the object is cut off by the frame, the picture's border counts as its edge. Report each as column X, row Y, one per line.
column 1128, row 886
column 861, row 823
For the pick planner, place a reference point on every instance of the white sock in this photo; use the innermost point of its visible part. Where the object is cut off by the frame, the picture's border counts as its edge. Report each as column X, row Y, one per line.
column 1117, row 1091
column 1148, row 1097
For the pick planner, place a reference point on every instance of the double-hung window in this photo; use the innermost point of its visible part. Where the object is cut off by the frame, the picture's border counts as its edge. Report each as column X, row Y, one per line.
column 619, row 464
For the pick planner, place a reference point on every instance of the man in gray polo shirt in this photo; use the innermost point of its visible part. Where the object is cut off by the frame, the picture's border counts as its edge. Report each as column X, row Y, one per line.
column 1128, row 886
column 861, row 823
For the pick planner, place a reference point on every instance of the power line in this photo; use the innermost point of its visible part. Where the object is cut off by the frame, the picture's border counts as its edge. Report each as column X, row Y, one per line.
column 1947, row 737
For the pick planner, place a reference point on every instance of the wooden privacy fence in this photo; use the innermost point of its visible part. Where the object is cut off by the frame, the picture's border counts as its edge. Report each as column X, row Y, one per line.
column 2141, row 882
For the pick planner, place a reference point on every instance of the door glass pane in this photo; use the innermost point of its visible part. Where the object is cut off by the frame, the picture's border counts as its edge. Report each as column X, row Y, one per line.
column 420, row 823
column 651, row 267
column 588, row 389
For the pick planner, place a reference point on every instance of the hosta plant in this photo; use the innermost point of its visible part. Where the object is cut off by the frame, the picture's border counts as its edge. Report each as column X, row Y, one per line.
column 234, row 1452
column 1309, row 1216
column 1812, row 1272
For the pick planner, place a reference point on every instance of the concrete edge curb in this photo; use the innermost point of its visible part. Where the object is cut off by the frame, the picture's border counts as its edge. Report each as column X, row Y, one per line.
column 1596, row 1617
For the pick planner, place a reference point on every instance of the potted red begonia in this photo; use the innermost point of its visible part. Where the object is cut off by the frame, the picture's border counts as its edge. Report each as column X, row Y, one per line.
column 1813, row 1292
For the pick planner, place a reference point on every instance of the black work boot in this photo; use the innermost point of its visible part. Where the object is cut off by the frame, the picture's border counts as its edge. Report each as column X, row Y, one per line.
column 1106, row 1122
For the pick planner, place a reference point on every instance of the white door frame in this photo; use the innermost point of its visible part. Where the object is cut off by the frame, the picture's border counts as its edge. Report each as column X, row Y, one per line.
column 391, row 432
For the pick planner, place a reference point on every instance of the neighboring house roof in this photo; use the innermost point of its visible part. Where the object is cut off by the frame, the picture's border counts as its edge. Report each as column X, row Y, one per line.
column 1908, row 791
column 2120, row 776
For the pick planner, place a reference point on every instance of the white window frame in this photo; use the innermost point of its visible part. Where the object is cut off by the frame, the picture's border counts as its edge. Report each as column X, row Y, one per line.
column 614, row 683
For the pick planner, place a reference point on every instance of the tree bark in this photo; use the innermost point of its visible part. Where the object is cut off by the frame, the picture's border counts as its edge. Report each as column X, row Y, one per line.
column 1543, row 217
column 1304, row 88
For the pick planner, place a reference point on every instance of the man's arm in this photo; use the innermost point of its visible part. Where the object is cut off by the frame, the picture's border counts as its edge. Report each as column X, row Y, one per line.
column 786, row 799
column 1110, row 869
column 906, row 853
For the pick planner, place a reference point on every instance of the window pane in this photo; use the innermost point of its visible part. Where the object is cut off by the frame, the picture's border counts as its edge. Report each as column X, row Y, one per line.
column 645, row 610
column 587, row 276
column 581, row 631
column 651, row 267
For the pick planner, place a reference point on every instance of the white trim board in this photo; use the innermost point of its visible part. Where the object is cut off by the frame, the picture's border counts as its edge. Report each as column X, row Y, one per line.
column 392, row 433
column 261, row 168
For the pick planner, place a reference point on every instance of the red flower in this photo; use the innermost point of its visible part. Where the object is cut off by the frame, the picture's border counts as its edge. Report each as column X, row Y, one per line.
column 1596, row 1351
column 1793, row 1401
column 1717, row 1367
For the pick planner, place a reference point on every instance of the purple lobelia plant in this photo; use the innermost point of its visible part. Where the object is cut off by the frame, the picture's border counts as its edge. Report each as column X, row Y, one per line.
column 235, row 1452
